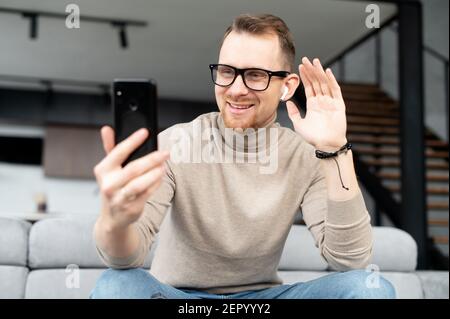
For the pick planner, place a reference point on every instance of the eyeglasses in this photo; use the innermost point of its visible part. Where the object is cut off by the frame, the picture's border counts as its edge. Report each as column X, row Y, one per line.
column 253, row 78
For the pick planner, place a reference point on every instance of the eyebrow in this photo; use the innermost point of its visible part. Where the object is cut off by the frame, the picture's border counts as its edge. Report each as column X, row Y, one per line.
column 246, row 67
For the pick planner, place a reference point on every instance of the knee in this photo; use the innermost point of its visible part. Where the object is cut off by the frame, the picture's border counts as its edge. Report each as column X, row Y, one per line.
column 368, row 285
column 114, row 283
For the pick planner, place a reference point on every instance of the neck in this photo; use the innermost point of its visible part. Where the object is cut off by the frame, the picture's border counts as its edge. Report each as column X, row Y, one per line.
column 244, row 140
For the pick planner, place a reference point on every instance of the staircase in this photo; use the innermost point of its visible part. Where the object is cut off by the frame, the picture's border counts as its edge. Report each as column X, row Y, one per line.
column 373, row 129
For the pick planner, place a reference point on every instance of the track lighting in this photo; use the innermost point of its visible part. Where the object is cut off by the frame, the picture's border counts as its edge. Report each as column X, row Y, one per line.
column 33, row 16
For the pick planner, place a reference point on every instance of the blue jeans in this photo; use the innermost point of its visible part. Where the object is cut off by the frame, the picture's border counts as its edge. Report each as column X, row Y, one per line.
column 140, row 284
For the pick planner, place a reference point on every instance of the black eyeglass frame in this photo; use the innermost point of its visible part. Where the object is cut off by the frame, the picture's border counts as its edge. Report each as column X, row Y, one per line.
column 237, row 72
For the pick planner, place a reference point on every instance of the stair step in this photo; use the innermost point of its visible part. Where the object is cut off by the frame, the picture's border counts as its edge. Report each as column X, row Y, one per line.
column 430, row 190
column 430, row 178
column 438, row 222
column 386, row 106
column 395, row 152
column 438, row 206
column 365, row 96
column 440, row 239
column 391, row 140
column 358, row 87
column 396, row 163
column 372, row 120
column 371, row 112
column 354, row 128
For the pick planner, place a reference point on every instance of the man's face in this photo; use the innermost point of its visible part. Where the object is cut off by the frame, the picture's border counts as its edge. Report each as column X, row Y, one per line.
column 243, row 50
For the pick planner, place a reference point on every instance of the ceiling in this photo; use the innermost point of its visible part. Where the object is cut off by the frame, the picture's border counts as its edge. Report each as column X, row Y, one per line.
column 181, row 38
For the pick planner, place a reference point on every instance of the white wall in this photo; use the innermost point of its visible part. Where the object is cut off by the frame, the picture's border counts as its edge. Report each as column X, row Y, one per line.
column 19, row 184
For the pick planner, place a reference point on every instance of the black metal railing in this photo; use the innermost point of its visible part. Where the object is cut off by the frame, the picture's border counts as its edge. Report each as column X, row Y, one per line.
column 411, row 213
column 445, row 67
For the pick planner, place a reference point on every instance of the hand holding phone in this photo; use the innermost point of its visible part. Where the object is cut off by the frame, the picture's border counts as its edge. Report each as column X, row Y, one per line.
column 125, row 190
column 132, row 170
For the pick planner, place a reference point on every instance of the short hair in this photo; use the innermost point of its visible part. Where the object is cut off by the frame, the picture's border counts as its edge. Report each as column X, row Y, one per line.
column 261, row 24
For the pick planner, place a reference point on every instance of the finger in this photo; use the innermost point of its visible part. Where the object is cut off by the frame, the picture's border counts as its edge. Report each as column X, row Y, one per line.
column 322, row 77
column 145, row 196
column 116, row 180
column 152, row 189
column 142, row 183
column 309, row 91
column 333, row 84
column 293, row 113
column 123, row 150
column 107, row 134
column 310, row 72
column 141, row 165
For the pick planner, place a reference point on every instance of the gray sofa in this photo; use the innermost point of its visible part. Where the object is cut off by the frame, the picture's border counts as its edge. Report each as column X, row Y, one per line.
column 56, row 258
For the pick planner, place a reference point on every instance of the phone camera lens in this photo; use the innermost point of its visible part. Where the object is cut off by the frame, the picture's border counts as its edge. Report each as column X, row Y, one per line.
column 133, row 105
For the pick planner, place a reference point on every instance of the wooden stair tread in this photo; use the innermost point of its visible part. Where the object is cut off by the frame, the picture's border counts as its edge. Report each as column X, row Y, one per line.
column 438, row 205
column 366, row 96
column 374, row 105
column 432, row 190
column 438, row 222
column 396, row 163
column 391, row 140
column 371, row 112
column 440, row 239
column 359, row 86
column 396, row 175
column 355, row 128
column 372, row 120
column 395, row 152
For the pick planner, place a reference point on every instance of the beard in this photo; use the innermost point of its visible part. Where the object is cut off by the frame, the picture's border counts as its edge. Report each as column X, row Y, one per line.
column 242, row 121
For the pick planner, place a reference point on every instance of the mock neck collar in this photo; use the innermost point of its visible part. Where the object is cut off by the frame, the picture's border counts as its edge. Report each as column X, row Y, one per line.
column 238, row 139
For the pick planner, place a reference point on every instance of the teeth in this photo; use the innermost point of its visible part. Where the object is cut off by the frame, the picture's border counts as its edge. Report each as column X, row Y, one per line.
column 240, row 107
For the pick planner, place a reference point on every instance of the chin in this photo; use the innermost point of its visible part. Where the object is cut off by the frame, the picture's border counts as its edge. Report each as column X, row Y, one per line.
column 232, row 122
column 235, row 121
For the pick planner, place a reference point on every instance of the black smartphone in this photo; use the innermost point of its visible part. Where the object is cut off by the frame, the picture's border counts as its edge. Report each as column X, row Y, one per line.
column 299, row 99
column 135, row 107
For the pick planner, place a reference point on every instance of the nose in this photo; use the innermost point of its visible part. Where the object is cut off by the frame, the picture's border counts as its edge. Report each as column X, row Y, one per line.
column 238, row 87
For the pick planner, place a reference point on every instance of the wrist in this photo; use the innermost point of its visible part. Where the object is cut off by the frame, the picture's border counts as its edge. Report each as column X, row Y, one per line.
column 331, row 147
column 110, row 226
column 327, row 155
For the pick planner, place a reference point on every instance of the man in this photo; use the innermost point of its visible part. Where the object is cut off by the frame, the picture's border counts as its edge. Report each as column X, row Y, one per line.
column 228, row 222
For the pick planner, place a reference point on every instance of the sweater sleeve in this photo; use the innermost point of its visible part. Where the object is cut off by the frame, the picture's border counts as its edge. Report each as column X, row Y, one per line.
column 341, row 229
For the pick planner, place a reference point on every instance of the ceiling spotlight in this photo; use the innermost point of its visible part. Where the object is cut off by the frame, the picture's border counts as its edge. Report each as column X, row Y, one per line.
column 33, row 24
column 123, row 39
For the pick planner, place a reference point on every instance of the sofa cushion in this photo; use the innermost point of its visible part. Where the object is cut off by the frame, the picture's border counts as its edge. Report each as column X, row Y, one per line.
column 12, row 281
column 394, row 250
column 407, row 285
column 61, row 284
column 434, row 283
column 300, row 253
column 13, row 241
column 59, row 242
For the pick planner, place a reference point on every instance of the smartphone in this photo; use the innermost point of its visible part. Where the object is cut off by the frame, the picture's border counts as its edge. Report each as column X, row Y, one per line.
column 299, row 99
column 135, row 107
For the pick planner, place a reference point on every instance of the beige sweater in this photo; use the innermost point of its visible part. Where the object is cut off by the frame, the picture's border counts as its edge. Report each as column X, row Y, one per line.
column 225, row 224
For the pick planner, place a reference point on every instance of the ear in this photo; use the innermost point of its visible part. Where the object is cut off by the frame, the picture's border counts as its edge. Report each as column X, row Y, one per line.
column 291, row 83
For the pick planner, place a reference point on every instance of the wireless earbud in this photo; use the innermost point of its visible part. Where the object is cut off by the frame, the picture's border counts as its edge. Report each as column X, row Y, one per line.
column 285, row 92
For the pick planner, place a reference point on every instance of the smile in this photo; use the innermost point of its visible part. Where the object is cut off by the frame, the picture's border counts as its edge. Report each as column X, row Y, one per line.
column 239, row 108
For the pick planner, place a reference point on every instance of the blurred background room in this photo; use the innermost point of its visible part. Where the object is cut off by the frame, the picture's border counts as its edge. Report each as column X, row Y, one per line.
column 55, row 96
